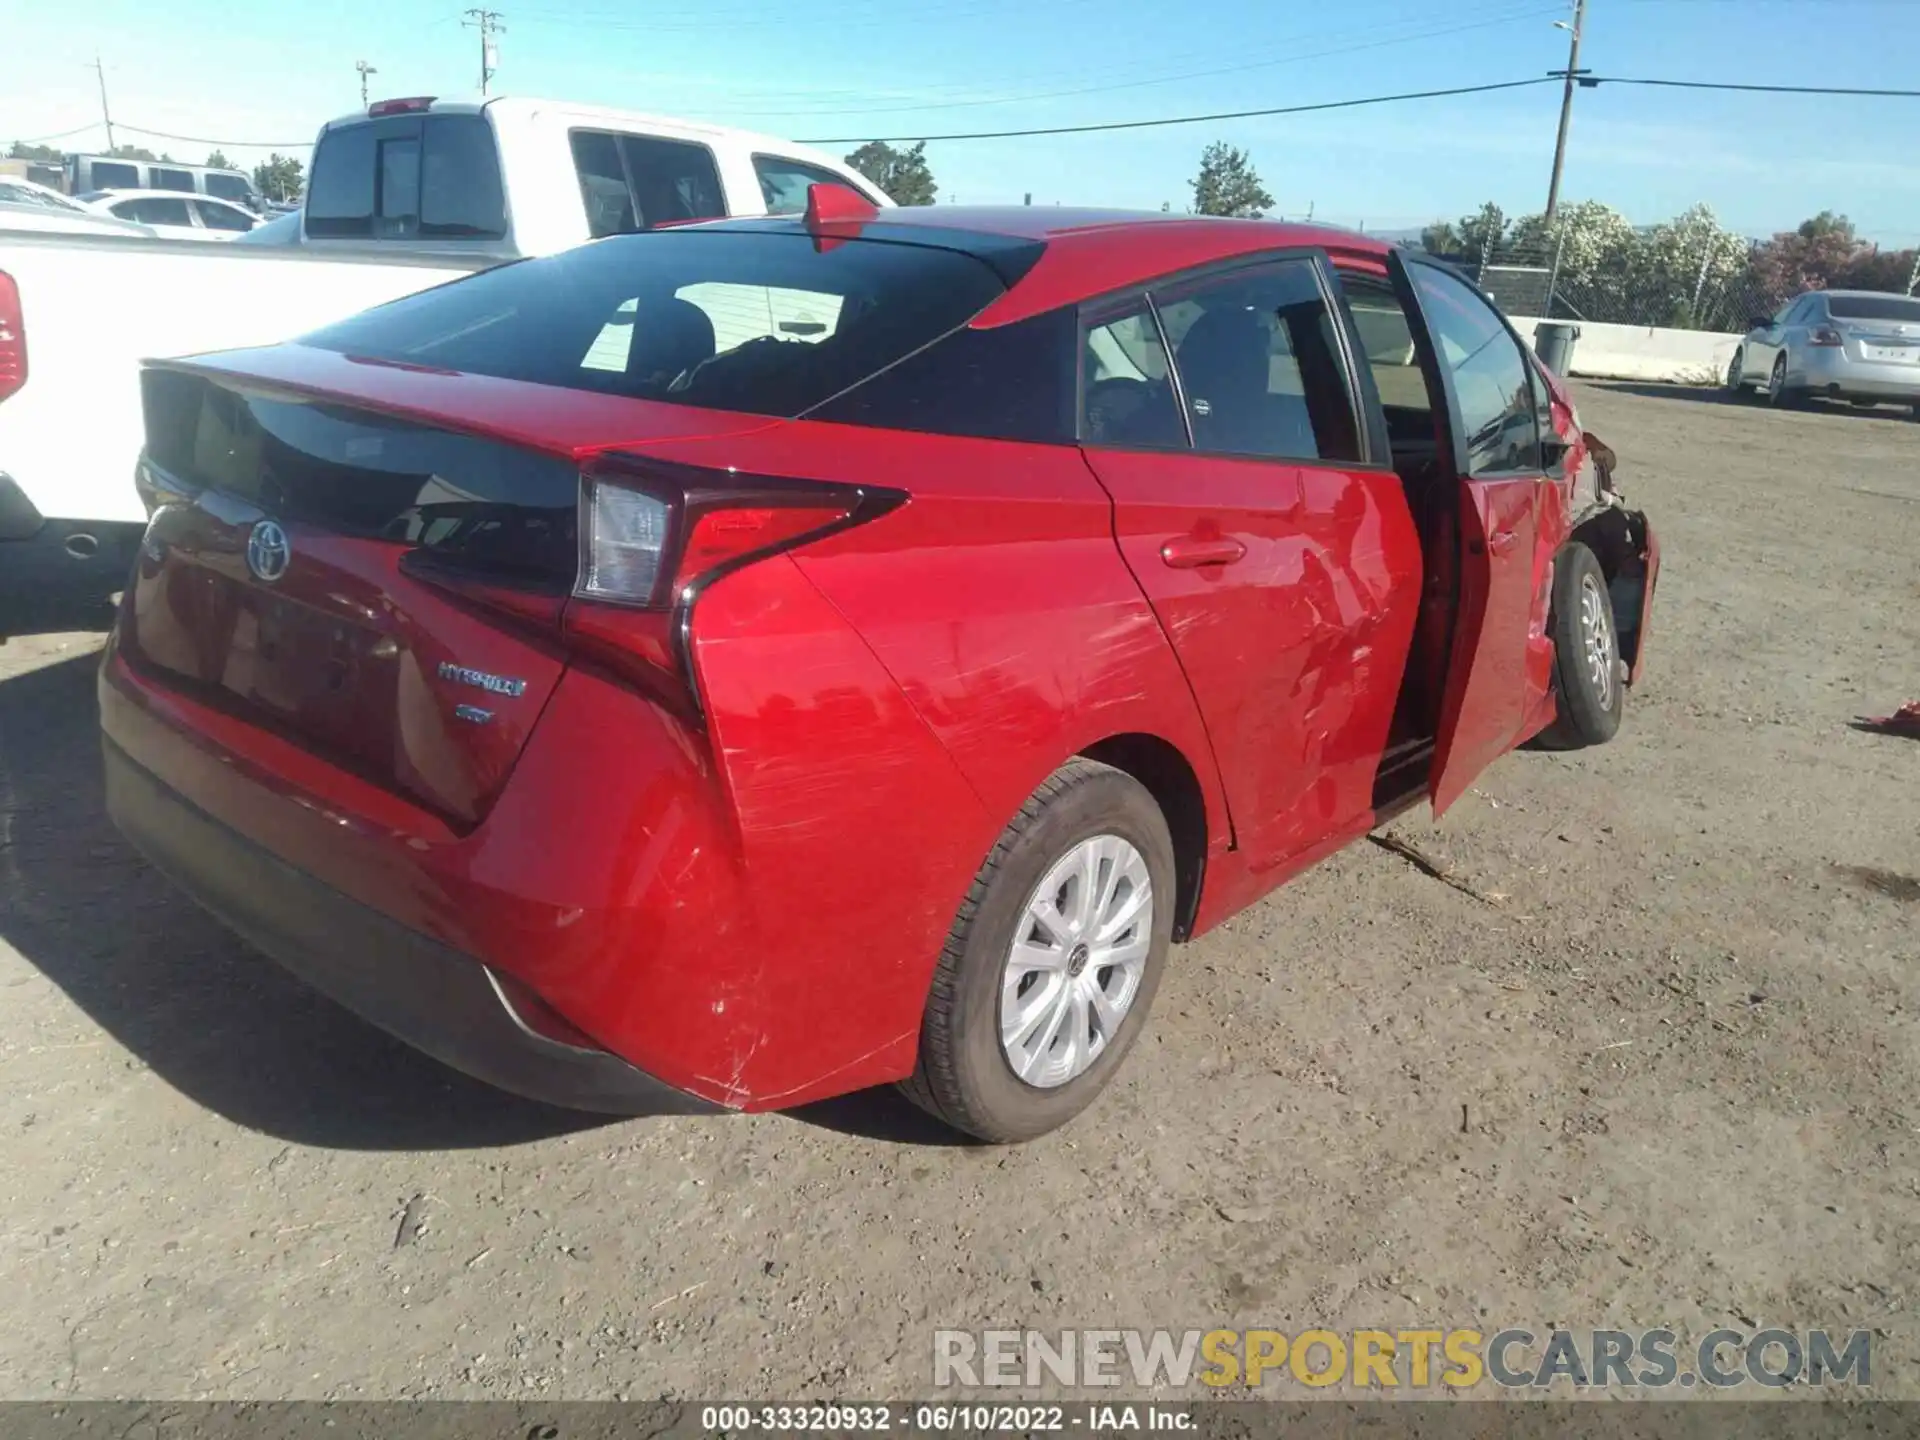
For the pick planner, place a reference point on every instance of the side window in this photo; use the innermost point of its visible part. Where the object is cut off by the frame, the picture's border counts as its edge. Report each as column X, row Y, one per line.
column 633, row 182
column 167, row 179
column 1386, row 340
column 222, row 217
column 672, row 180
column 230, row 187
column 1010, row 382
column 1126, row 394
column 1490, row 379
column 783, row 183
column 603, row 183
column 108, row 175
column 156, row 210
column 1259, row 366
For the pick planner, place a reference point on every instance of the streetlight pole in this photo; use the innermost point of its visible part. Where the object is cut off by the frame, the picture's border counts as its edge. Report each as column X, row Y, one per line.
column 1566, row 105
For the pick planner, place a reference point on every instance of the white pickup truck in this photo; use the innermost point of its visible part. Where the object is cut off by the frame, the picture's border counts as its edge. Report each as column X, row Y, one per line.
column 402, row 196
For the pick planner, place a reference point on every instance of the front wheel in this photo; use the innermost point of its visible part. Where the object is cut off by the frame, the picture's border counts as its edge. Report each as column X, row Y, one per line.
column 1589, row 679
column 1052, row 963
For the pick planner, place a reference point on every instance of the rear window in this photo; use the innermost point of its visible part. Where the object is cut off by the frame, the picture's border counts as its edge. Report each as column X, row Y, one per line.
column 720, row 319
column 1873, row 307
column 408, row 178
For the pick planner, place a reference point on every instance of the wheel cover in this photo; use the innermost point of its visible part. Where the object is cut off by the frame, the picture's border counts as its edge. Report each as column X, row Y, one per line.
column 1735, row 372
column 1777, row 381
column 1597, row 640
column 1078, row 956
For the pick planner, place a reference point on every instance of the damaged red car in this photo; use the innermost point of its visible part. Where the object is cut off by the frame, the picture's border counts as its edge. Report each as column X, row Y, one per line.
column 734, row 665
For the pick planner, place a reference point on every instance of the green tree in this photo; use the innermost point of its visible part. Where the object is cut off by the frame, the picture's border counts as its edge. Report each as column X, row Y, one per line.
column 20, row 150
column 217, row 160
column 903, row 175
column 1807, row 258
column 1228, row 184
column 280, row 177
column 133, row 152
column 1471, row 235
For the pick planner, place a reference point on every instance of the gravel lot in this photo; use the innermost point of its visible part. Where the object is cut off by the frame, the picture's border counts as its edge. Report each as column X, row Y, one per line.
column 1665, row 1073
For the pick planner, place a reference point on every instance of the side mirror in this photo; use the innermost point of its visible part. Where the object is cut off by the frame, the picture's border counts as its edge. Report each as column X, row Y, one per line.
column 1760, row 322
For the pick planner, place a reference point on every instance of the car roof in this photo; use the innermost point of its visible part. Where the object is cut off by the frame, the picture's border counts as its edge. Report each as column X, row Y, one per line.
column 1088, row 251
column 1865, row 294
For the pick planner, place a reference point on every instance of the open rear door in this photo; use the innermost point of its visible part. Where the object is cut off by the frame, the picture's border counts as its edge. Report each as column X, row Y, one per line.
column 1484, row 705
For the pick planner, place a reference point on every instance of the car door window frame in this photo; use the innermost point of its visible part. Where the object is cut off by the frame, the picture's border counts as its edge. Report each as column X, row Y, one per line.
column 1434, row 356
column 1369, row 422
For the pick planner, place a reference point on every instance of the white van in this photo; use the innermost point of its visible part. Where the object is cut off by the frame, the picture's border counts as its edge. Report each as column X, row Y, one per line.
column 89, row 173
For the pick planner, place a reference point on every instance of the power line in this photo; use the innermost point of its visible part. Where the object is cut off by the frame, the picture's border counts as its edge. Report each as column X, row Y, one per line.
column 1587, row 81
column 1592, row 80
column 1186, row 119
column 1294, row 57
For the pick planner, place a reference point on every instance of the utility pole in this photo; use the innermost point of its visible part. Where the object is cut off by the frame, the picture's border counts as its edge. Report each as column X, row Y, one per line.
column 487, row 22
column 1566, row 105
column 105, row 116
column 365, row 70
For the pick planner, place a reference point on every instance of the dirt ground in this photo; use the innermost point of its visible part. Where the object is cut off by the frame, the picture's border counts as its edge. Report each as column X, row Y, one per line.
column 1664, row 1074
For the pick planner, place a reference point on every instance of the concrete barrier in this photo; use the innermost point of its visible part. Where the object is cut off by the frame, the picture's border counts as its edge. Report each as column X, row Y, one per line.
column 1642, row 352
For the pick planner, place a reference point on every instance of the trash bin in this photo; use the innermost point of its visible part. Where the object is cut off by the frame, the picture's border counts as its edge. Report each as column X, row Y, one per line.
column 1553, row 343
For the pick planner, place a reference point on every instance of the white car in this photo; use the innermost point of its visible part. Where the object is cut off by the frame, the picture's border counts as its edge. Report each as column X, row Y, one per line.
column 173, row 214
column 27, row 206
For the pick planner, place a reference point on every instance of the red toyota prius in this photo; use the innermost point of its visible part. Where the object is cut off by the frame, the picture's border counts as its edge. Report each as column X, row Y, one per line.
column 734, row 665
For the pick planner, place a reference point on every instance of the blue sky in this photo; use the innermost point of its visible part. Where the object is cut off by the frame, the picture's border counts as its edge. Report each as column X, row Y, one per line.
column 856, row 68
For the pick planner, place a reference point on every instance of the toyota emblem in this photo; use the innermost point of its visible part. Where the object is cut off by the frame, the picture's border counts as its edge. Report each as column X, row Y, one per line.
column 268, row 551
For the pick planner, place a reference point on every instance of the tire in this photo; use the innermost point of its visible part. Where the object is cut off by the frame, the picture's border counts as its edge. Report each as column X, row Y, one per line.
column 1737, row 388
column 966, row 1074
column 1778, row 395
column 1589, row 689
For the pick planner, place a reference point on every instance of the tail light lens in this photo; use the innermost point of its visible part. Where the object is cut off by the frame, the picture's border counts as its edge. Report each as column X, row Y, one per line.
column 1826, row 335
column 13, row 338
column 652, row 536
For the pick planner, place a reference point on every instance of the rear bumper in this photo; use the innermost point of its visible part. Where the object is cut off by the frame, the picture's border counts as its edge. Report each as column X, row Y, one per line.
column 50, row 565
column 1830, row 371
column 427, row 994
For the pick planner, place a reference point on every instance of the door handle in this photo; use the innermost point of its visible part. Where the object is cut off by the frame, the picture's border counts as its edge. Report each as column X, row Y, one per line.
column 1190, row 552
column 1501, row 541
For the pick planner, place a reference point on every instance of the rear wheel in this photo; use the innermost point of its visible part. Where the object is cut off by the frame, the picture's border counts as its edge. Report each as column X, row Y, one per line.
column 1589, row 679
column 1777, row 393
column 1047, row 976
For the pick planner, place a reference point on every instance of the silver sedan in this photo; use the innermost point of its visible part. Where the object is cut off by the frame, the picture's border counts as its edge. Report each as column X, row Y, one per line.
column 1858, row 345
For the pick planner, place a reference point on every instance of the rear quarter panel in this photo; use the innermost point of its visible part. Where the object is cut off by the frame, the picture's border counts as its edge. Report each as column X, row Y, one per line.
column 884, row 701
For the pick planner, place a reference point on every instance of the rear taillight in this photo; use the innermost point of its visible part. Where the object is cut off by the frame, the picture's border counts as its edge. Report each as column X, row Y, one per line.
column 1826, row 335
column 652, row 536
column 13, row 338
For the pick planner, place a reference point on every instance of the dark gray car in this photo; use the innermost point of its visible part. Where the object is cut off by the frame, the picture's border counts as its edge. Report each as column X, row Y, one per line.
column 1858, row 345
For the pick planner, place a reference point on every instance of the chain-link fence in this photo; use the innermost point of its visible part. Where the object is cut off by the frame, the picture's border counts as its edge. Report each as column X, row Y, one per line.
column 1660, row 277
